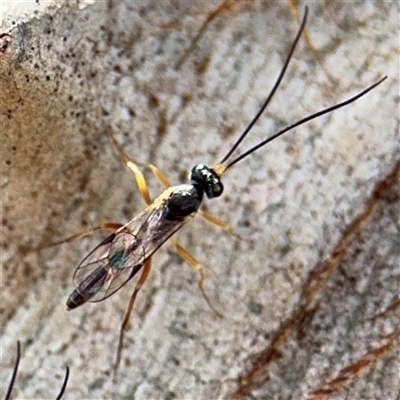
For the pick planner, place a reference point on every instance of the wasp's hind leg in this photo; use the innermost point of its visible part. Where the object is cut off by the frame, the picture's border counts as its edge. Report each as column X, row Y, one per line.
column 191, row 260
column 107, row 226
column 128, row 312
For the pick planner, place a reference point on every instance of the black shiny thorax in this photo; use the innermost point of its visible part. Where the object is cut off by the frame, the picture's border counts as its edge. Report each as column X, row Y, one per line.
column 184, row 200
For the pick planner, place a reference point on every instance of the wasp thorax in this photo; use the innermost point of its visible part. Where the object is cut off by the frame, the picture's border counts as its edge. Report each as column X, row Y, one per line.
column 207, row 179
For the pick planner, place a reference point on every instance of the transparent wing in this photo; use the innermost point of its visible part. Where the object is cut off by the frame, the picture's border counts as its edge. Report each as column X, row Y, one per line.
column 120, row 256
column 109, row 266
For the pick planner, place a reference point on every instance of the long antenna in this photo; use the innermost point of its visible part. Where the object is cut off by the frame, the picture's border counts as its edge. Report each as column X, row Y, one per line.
column 303, row 121
column 15, row 372
column 63, row 387
column 275, row 87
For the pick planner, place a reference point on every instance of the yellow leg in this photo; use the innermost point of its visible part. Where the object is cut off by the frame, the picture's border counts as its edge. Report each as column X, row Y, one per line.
column 161, row 177
column 140, row 179
column 107, row 226
column 218, row 222
column 199, row 268
column 128, row 312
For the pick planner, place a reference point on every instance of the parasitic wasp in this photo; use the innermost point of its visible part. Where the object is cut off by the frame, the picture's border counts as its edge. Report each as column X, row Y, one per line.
column 129, row 249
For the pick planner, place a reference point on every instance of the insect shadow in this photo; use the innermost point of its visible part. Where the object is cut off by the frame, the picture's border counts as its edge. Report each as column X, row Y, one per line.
column 15, row 372
column 128, row 250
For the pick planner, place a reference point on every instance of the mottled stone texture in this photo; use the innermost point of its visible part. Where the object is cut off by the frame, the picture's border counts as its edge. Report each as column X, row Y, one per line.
column 310, row 289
